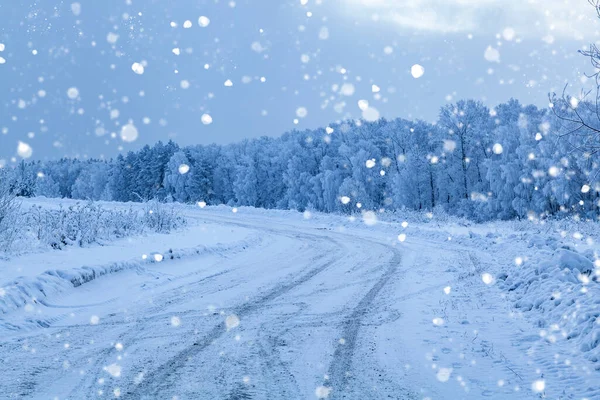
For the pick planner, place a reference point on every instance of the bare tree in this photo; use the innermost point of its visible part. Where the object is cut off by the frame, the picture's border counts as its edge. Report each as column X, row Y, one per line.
column 579, row 117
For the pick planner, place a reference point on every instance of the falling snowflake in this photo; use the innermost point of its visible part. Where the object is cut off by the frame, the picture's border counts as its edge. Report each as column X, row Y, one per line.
column 491, row 54
column 508, row 34
column 443, row 374
column 129, row 133
column 301, row 112
column 585, row 188
column 347, row 89
column 72, row 93
column 24, row 150
column 417, row 71
column 322, row 392
column 114, row 370
column 370, row 114
column 538, row 386
column 369, row 218
column 184, row 169
column 487, row 278
column 232, row 321
column 203, row 21
column 138, row 68
column 76, row 9
column 112, row 37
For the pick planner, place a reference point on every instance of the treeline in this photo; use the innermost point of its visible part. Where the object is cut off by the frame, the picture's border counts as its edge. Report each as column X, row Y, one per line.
column 512, row 161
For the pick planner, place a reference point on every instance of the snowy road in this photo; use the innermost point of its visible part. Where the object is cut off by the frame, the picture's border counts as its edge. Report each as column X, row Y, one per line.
column 300, row 311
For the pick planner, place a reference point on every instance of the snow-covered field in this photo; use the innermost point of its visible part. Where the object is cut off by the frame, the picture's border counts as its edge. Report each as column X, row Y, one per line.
column 257, row 304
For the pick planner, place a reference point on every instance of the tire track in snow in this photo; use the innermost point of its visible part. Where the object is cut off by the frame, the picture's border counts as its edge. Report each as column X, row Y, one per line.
column 161, row 379
column 340, row 366
column 174, row 296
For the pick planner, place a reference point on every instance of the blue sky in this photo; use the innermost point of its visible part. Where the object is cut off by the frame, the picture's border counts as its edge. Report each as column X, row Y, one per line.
column 292, row 65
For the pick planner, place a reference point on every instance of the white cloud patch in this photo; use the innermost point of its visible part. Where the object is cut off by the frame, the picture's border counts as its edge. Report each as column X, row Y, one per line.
column 570, row 19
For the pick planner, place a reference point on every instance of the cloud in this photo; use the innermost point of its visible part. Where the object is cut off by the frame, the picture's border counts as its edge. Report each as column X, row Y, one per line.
column 560, row 18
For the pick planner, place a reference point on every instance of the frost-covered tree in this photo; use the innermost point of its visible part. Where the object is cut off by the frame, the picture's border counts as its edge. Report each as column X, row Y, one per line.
column 510, row 162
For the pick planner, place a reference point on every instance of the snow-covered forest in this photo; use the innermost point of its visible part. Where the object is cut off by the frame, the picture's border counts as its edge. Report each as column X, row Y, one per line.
column 513, row 161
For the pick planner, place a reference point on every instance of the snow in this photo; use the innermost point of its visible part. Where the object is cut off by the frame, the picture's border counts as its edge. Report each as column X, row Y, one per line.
column 184, row 169
column 203, row 21
column 370, row 114
column 264, row 301
column 55, row 272
column 232, row 321
column 73, row 93
column 491, row 54
column 301, row 112
column 324, row 33
column 347, row 89
column 508, row 34
column 487, row 278
column 417, row 71
column 129, row 133
column 24, row 150
column 112, row 37
column 76, row 9
column 206, row 119
column 138, row 68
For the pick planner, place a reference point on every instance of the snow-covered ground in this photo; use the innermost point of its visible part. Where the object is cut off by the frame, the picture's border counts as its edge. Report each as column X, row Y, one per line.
column 258, row 304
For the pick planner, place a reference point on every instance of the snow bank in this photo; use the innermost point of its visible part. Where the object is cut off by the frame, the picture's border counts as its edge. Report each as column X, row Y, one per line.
column 25, row 290
column 562, row 293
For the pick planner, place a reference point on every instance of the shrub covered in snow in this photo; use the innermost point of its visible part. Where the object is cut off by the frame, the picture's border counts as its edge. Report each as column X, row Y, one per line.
column 563, row 290
column 9, row 211
column 80, row 224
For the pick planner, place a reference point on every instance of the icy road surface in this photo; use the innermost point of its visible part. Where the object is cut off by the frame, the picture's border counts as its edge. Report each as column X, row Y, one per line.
column 295, row 310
